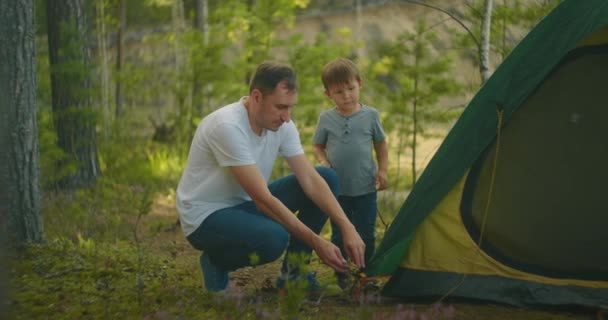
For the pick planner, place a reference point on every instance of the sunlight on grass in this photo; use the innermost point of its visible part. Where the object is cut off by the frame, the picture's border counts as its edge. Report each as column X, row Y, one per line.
column 165, row 163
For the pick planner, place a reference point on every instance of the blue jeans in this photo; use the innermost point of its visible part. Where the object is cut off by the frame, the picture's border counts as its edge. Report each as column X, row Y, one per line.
column 362, row 212
column 232, row 236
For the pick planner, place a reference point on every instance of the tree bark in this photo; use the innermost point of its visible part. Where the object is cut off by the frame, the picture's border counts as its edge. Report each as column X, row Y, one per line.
column 102, row 45
column 73, row 116
column 202, row 13
column 20, row 213
column 202, row 25
column 484, row 54
column 178, row 26
column 359, row 30
column 122, row 25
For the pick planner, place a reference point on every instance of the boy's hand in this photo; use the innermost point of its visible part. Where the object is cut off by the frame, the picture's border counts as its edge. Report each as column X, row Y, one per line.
column 325, row 163
column 381, row 181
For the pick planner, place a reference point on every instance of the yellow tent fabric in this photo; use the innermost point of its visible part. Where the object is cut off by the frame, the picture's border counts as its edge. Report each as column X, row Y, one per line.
column 442, row 243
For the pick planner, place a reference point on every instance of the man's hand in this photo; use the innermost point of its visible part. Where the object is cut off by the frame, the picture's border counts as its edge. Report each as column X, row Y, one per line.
column 354, row 246
column 330, row 254
column 318, row 191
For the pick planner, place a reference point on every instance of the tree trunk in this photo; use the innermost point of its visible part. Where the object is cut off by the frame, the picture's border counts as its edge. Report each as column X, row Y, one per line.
column 201, row 25
column 20, row 213
column 122, row 25
column 359, row 30
column 178, row 26
column 484, row 54
column 102, row 45
column 202, row 13
column 73, row 116
column 503, row 49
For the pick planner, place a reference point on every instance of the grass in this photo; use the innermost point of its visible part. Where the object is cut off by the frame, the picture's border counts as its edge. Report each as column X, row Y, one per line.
column 114, row 251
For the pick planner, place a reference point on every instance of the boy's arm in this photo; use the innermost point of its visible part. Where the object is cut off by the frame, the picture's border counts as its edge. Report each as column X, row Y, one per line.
column 381, row 148
column 321, row 155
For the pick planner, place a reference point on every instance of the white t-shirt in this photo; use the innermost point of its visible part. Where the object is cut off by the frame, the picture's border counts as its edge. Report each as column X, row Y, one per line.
column 224, row 138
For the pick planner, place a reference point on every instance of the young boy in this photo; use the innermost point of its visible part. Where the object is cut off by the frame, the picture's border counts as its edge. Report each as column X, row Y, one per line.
column 343, row 140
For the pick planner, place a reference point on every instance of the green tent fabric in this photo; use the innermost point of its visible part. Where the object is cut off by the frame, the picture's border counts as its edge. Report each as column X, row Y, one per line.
column 549, row 46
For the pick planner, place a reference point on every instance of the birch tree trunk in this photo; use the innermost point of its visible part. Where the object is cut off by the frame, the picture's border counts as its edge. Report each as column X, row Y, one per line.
column 20, row 213
column 359, row 30
column 202, row 13
column 178, row 26
column 73, row 115
column 122, row 25
column 484, row 54
column 200, row 24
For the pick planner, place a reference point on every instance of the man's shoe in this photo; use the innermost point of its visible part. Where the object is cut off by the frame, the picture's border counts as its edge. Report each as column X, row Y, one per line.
column 216, row 279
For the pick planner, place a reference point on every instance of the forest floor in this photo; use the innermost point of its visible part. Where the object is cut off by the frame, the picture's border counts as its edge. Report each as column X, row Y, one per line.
column 156, row 275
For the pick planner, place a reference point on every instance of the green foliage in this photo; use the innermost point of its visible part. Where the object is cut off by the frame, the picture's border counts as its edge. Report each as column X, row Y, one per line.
column 70, row 64
column 511, row 20
column 308, row 59
column 55, row 164
column 296, row 289
column 413, row 77
column 141, row 13
column 131, row 157
column 535, row 11
column 203, row 83
column 256, row 34
column 43, row 76
column 203, row 80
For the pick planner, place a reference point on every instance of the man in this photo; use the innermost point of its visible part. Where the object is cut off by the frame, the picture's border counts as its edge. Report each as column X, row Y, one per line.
column 227, row 208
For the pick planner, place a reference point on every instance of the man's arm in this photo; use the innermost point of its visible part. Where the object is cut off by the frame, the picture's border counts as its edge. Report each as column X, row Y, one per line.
column 252, row 181
column 318, row 191
column 381, row 148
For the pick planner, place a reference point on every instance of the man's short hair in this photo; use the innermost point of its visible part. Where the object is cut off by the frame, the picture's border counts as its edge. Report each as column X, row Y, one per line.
column 339, row 71
column 269, row 74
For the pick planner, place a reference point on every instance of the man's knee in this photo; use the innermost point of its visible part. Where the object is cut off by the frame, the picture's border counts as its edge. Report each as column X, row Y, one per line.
column 274, row 245
column 330, row 176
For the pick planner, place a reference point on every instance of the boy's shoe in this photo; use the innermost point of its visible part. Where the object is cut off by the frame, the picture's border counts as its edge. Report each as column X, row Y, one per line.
column 309, row 280
column 216, row 279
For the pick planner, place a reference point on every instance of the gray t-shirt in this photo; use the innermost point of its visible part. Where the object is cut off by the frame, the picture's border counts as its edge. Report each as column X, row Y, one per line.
column 349, row 144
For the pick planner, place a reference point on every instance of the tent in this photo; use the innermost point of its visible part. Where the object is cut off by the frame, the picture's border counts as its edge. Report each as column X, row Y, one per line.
column 513, row 206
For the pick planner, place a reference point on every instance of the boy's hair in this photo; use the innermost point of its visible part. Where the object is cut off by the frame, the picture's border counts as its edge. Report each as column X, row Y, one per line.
column 339, row 71
column 269, row 74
